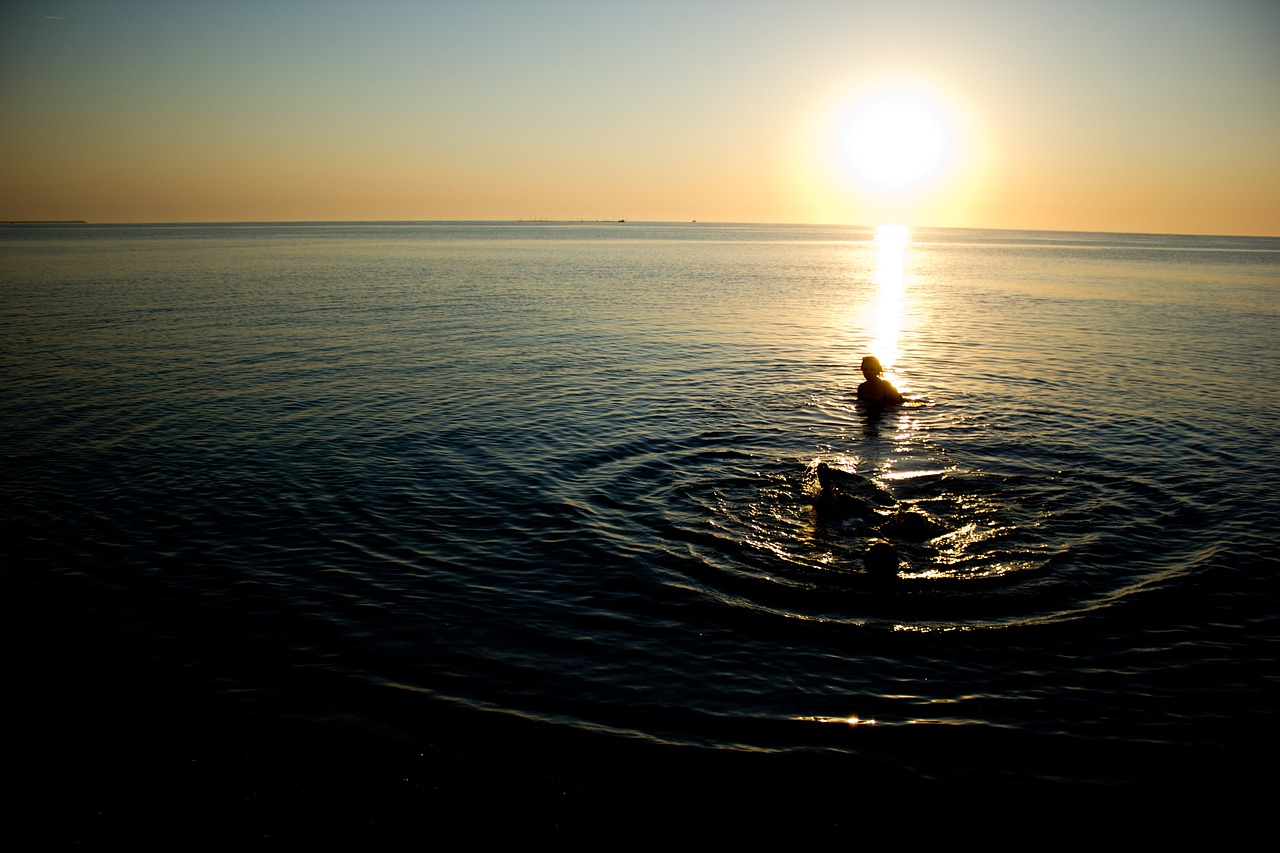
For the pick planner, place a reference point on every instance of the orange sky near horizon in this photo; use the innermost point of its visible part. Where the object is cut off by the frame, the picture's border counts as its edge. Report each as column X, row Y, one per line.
column 1131, row 115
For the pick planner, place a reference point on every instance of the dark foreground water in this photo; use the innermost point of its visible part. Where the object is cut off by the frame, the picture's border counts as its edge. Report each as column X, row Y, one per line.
column 531, row 509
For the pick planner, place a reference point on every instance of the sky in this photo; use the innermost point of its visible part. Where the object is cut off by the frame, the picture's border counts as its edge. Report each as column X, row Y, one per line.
column 1153, row 116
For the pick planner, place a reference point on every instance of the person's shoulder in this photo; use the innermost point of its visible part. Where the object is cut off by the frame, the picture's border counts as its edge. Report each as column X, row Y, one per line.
column 880, row 392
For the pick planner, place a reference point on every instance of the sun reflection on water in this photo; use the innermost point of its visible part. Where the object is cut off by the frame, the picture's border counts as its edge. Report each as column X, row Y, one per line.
column 890, row 278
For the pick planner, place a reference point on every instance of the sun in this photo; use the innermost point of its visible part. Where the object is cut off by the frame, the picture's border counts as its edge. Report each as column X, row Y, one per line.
column 894, row 147
column 895, row 140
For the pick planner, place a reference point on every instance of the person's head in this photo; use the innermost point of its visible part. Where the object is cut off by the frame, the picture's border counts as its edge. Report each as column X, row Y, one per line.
column 871, row 367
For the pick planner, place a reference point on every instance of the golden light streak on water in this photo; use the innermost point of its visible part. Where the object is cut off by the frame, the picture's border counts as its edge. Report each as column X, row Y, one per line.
column 890, row 278
column 844, row 721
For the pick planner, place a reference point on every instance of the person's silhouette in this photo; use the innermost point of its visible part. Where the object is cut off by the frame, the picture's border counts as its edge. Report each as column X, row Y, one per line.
column 877, row 391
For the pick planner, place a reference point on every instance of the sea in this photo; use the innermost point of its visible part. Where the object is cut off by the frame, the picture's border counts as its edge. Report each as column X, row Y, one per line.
column 539, row 501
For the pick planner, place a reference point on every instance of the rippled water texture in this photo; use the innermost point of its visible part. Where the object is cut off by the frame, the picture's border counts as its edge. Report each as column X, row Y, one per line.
column 568, row 473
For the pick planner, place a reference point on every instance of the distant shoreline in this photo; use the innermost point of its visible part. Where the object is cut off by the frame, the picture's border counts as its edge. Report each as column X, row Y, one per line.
column 700, row 223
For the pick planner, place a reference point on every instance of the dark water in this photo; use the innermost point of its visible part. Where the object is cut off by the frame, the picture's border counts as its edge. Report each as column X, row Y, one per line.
column 565, row 474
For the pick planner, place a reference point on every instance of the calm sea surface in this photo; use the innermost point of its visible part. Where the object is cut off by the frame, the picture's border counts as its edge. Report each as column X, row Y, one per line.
column 565, row 473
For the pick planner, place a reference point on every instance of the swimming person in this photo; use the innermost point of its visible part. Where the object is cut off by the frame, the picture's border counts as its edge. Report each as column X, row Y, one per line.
column 877, row 391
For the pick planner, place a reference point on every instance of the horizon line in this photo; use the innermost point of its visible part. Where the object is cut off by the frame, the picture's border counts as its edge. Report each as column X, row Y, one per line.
column 518, row 221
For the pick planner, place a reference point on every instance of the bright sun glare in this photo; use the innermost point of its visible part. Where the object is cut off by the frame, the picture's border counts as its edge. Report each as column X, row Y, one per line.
column 895, row 140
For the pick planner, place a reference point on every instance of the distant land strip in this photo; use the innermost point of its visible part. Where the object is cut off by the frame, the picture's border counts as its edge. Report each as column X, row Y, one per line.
column 43, row 222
